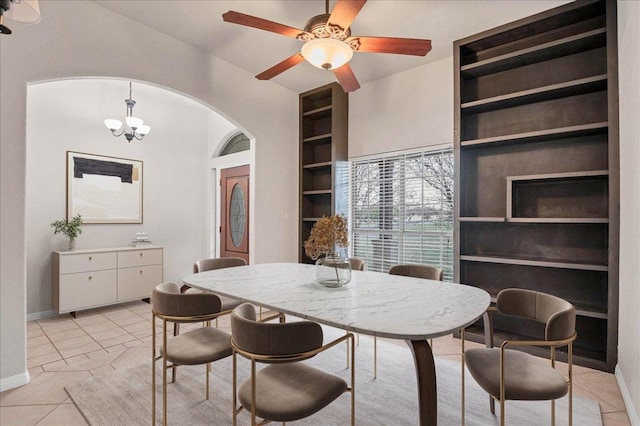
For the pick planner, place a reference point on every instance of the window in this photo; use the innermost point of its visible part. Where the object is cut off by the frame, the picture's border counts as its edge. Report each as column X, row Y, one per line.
column 402, row 210
column 238, row 143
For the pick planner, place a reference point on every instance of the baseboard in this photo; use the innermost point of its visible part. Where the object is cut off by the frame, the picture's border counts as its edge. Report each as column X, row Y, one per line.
column 626, row 397
column 41, row 315
column 14, row 381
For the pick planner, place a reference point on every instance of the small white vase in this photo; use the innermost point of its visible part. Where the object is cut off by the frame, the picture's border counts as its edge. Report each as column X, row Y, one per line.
column 72, row 244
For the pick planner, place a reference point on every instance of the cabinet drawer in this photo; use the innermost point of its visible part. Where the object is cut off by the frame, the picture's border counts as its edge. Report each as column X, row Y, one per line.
column 138, row 282
column 84, row 262
column 127, row 259
column 87, row 289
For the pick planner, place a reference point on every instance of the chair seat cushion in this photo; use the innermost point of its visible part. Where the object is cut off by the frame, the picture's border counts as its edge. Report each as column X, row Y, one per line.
column 288, row 392
column 199, row 346
column 526, row 377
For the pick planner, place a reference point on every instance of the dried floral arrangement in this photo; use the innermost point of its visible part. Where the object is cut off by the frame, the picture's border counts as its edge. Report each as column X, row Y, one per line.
column 326, row 234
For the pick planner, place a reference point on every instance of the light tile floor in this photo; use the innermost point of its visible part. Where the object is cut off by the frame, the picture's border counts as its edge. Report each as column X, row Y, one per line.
column 63, row 350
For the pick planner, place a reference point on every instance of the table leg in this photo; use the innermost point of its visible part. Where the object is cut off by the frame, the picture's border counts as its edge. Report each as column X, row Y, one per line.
column 426, row 378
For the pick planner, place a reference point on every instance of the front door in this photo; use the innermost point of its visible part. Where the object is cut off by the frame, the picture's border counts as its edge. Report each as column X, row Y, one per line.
column 234, row 219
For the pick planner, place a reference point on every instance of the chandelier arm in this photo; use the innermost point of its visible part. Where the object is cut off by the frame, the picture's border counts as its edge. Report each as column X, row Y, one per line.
column 137, row 136
column 113, row 132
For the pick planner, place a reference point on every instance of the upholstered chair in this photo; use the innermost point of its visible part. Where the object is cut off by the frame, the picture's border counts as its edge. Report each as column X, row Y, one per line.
column 228, row 303
column 426, row 272
column 356, row 264
column 418, row 271
column 286, row 389
column 200, row 346
column 507, row 374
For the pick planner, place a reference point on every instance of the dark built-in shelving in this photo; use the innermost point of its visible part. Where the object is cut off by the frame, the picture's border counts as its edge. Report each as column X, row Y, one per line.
column 537, row 169
column 323, row 157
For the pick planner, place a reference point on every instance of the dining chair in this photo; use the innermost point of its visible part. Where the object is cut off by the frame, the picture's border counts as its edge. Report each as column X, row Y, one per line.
column 228, row 303
column 426, row 272
column 509, row 374
column 200, row 346
column 286, row 389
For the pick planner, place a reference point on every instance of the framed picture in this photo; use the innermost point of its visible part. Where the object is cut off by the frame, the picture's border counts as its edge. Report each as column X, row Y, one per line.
column 104, row 189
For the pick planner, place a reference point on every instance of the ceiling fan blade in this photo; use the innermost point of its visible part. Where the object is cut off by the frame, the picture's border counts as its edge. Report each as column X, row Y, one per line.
column 280, row 67
column 345, row 12
column 262, row 24
column 347, row 78
column 402, row 46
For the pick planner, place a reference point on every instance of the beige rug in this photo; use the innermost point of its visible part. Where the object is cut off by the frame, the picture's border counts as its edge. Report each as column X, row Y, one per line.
column 123, row 398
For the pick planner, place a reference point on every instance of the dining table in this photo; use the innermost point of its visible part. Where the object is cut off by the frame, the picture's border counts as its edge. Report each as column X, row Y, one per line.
column 372, row 303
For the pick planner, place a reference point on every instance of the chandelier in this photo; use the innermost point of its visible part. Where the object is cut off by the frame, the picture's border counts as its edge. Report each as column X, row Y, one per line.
column 134, row 128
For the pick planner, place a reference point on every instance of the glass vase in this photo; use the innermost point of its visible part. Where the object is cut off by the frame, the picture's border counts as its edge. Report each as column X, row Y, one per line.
column 333, row 270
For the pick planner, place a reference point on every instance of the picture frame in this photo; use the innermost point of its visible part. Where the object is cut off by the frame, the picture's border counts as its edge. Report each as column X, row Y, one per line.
column 104, row 189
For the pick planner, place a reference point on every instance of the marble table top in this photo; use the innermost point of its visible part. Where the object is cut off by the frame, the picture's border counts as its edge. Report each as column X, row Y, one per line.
column 372, row 303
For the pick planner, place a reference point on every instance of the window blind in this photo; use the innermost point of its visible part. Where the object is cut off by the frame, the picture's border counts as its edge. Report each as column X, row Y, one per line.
column 402, row 210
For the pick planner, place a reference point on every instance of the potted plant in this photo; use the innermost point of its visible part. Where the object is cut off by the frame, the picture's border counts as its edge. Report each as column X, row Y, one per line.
column 71, row 228
column 327, row 233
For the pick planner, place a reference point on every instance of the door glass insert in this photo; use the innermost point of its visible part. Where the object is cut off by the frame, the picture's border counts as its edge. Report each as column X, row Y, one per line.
column 237, row 215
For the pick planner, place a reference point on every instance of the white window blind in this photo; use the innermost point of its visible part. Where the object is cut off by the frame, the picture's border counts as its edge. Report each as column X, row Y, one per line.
column 402, row 210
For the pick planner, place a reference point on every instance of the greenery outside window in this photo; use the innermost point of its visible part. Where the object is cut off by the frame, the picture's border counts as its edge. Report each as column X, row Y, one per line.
column 402, row 210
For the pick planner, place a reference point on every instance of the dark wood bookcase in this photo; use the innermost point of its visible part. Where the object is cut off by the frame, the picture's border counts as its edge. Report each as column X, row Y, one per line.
column 323, row 157
column 537, row 168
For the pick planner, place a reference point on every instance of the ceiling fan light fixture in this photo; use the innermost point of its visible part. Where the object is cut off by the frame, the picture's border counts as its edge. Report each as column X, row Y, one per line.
column 327, row 53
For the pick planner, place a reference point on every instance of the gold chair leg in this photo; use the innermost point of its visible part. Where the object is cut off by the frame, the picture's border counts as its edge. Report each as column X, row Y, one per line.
column 353, row 383
column 253, row 392
column 462, row 401
column 570, row 384
column 208, row 369
column 164, row 373
column 153, row 370
column 375, row 357
column 235, row 384
column 347, row 332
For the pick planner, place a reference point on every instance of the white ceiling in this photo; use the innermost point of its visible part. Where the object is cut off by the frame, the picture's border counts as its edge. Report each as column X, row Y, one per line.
column 199, row 23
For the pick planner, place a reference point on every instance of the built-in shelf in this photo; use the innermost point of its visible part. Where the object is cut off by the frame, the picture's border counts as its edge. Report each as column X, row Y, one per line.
column 324, row 138
column 562, row 132
column 554, row 91
column 324, row 111
column 543, row 52
column 558, row 220
column 324, row 164
column 567, row 175
column 534, row 262
column 323, row 154
column 317, row 192
column 481, row 219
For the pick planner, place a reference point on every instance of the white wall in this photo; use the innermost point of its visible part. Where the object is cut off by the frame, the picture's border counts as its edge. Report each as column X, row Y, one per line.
column 67, row 116
column 628, row 371
column 407, row 110
column 78, row 39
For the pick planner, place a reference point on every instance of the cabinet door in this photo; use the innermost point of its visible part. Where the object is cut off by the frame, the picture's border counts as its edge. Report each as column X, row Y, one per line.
column 138, row 282
column 87, row 289
column 130, row 258
column 85, row 262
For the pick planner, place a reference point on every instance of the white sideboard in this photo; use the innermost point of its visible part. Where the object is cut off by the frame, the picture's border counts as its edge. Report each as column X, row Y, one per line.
column 84, row 279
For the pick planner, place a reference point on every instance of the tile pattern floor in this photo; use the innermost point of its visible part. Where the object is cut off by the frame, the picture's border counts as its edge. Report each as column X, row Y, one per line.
column 63, row 350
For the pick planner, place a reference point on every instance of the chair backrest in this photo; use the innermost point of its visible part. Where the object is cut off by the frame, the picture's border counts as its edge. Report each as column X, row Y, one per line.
column 356, row 264
column 262, row 338
column 417, row 271
column 217, row 263
column 558, row 315
column 166, row 300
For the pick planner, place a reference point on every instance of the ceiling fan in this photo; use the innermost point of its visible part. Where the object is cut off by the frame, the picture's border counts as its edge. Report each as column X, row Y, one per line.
column 328, row 43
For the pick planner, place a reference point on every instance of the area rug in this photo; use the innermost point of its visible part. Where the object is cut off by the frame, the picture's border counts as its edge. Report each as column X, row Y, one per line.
column 124, row 397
